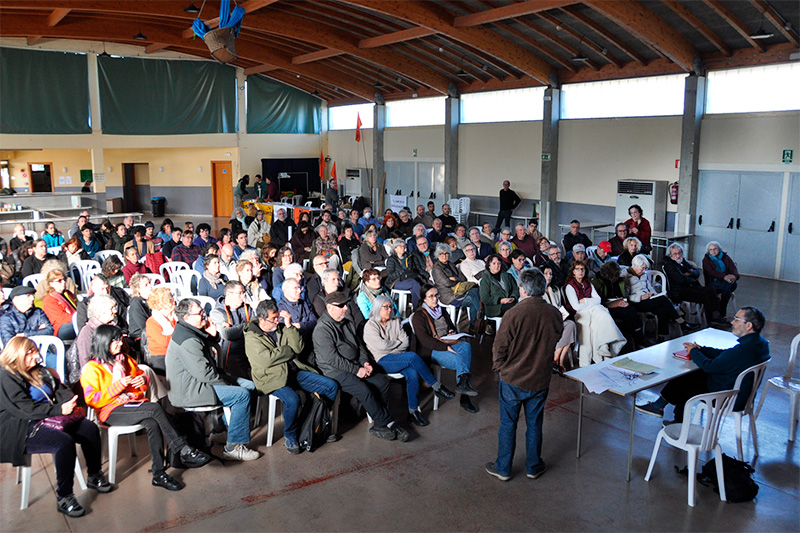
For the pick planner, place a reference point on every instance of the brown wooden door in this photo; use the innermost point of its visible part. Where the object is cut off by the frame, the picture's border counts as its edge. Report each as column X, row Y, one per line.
column 222, row 187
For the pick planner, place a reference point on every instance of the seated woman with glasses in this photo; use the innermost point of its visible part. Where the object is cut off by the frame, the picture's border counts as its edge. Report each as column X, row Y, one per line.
column 370, row 289
column 388, row 344
column 32, row 393
column 433, row 328
column 114, row 386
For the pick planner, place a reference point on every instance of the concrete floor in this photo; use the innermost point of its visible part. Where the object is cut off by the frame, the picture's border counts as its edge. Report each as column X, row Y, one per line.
column 436, row 481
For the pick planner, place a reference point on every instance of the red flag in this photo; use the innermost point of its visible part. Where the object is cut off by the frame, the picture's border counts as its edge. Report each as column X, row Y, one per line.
column 358, row 127
column 333, row 172
column 321, row 166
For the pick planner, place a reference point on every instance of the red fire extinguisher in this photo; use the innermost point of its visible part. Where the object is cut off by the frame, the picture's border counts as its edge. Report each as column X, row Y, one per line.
column 673, row 192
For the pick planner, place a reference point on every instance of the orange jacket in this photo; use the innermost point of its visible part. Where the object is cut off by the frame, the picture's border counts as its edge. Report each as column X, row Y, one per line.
column 59, row 311
column 103, row 395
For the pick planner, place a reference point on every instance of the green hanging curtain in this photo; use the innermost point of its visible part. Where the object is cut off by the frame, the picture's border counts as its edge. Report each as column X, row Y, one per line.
column 274, row 107
column 43, row 92
column 166, row 97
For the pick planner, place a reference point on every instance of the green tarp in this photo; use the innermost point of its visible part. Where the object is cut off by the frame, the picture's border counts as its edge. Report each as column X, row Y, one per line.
column 163, row 97
column 273, row 107
column 43, row 92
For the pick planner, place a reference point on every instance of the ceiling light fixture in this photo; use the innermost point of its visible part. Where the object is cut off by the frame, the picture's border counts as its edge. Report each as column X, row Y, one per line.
column 761, row 33
column 140, row 36
column 192, row 8
column 104, row 54
column 315, row 93
column 579, row 57
column 461, row 73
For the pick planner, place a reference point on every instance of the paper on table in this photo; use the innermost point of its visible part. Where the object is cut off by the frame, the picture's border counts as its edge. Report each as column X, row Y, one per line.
column 630, row 364
column 455, row 336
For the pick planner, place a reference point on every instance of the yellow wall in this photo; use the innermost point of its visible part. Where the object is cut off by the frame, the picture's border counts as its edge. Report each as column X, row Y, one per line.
column 181, row 166
column 73, row 160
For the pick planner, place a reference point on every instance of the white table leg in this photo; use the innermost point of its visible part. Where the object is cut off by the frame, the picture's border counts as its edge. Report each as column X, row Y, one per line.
column 580, row 421
column 630, row 437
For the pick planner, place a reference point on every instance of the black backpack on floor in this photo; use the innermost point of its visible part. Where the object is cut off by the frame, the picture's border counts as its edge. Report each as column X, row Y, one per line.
column 316, row 427
column 739, row 483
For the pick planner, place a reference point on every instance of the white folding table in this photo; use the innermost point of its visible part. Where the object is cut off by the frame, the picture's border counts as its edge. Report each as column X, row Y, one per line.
column 661, row 356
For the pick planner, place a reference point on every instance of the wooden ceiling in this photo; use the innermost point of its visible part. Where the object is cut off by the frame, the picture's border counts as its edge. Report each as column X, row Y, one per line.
column 350, row 51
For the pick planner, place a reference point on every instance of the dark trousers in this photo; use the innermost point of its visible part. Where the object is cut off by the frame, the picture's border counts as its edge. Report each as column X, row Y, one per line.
column 157, row 424
column 680, row 390
column 660, row 306
column 372, row 392
column 702, row 295
column 629, row 322
column 62, row 445
column 503, row 216
column 724, row 291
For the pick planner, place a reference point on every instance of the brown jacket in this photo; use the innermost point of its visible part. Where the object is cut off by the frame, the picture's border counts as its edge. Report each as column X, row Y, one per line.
column 524, row 346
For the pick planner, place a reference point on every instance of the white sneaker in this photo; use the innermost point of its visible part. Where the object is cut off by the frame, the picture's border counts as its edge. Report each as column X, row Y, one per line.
column 241, row 453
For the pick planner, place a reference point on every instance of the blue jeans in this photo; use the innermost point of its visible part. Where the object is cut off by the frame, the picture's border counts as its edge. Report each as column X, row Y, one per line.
column 409, row 285
column 472, row 301
column 238, row 399
column 412, row 367
column 511, row 400
column 309, row 382
column 459, row 361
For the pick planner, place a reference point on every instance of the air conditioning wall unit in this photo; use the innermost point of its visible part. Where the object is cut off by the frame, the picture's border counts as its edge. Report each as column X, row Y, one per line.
column 356, row 182
column 650, row 195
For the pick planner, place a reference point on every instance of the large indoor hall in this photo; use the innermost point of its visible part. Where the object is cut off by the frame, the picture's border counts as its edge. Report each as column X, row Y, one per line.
column 378, row 265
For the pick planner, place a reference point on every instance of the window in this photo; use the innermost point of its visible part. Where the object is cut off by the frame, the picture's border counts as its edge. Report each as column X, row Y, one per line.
column 514, row 105
column 754, row 89
column 344, row 117
column 415, row 112
column 635, row 97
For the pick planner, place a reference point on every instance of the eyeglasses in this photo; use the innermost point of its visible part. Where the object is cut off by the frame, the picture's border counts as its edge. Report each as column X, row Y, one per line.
column 554, row 254
column 340, row 306
column 432, row 296
column 386, row 306
column 740, row 319
column 200, row 314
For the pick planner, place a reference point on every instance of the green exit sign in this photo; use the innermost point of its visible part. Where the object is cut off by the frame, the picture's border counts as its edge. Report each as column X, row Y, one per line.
column 545, row 157
column 788, row 157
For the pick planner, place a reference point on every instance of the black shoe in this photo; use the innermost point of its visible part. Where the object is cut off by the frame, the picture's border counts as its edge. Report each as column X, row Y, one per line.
column 417, row 418
column 70, row 506
column 383, row 432
column 195, row 458
column 491, row 469
column 401, row 433
column 444, row 393
column 467, row 405
column 686, row 327
column 465, row 387
column 162, row 479
column 99, row 483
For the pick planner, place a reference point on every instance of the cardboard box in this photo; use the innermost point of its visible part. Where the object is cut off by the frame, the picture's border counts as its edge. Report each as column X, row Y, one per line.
column 114, row 205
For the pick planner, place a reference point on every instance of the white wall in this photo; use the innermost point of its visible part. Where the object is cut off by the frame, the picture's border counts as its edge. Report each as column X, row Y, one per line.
column 594, row 154
column 491, row 153
column 752, row 139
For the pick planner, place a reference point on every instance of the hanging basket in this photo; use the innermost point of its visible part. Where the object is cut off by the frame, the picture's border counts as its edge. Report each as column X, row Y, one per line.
column 222, row 44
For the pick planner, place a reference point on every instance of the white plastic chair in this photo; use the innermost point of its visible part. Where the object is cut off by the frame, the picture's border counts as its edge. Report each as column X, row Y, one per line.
column 155, row 279
column 790, row 385
column 403, row 297
column 24, row 476
column 102, row 255
column 694, row 438
column 6, row 292
column 207, row 302
column 32, row 280
column 32, row 234
column 86, row 269
column 166, row 269
column 55, row 250
column 44, row 342
column 272, row 406
column 75, row 324
column 184, row 279
column 207, row 412
column 757, row 372
column 176, row 289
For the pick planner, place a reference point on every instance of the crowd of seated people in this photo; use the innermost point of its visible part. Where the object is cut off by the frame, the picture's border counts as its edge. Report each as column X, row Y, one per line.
column 275, row 326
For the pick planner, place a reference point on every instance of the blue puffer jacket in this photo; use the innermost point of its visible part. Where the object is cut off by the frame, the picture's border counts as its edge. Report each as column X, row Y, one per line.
column 13, row 323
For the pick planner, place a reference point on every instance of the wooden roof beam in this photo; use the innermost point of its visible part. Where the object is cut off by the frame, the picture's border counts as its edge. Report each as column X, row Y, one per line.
column 699, row 25
column 577, row 35
column 316, row 56
column 533, row 43
column 259, row 69
column 648, row 28
column 776, row 20
column 520, row 9
column 396, row 37
column 155, row 47
column 249, row 7
column 737, row 24
column 575, row 13
column 490, row 43
column 33, row 39
column 56, row 15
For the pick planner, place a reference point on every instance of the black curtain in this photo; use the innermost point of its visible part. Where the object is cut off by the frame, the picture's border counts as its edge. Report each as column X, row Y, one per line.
column 303, row 174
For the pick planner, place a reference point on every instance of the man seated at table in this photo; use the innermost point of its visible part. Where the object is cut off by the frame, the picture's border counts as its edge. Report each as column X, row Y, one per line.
column 575, row 236
column 718, row 368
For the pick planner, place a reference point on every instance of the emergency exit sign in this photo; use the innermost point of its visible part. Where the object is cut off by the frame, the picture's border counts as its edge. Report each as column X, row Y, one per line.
column 788, row 157
column 545, row 157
